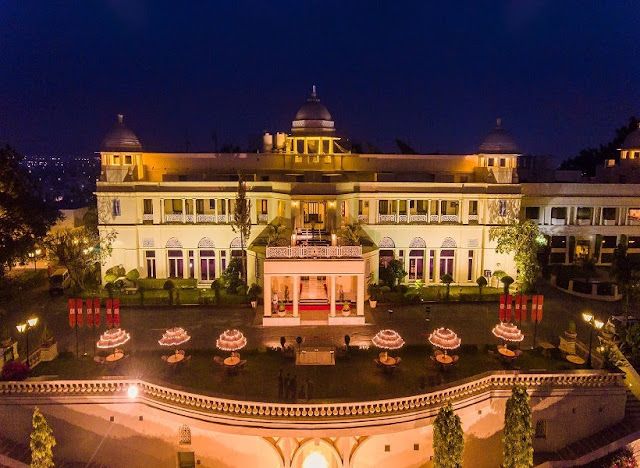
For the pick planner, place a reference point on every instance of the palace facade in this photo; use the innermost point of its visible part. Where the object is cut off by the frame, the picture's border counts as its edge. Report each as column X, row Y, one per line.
column 172, row 212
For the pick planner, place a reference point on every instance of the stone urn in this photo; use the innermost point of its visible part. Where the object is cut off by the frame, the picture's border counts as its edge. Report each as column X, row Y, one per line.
column 373, row 303
column 346, row 310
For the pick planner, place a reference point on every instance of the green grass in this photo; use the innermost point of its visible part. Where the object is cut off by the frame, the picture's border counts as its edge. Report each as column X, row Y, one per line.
column 355, row 377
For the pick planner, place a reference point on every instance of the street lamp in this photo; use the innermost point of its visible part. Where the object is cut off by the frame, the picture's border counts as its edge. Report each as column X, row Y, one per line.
column 594, row 324
column 24, row 328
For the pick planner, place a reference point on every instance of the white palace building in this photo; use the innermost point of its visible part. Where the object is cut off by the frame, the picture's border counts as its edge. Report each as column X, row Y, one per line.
column 433, row 212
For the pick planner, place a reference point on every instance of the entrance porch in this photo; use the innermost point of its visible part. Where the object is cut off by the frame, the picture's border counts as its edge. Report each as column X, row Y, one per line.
column 313, row 291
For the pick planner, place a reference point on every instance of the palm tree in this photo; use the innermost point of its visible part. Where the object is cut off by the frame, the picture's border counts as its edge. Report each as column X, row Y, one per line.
column 351, row 234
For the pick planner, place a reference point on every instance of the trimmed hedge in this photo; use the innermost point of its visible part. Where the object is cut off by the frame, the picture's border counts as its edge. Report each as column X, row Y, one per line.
column 154, row 283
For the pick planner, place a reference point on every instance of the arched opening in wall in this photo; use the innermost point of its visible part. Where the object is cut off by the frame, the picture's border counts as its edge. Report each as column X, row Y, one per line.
column 207, row 256
column 447, row 258
column 316, row 454
column 416, row 264
column 175, row 258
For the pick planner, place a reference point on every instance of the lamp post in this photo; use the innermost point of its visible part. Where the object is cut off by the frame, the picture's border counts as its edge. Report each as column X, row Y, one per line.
column 24, row 328
column 593, row 324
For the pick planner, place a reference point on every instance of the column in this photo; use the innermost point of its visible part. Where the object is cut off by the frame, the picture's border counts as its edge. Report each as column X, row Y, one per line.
column 267, row 296
column 397, row 211
column 184, row 209
column 332, row 296
column 195, row 214
column 161, row 210
column 408, row 210
column 296, row 294
column 360, row 294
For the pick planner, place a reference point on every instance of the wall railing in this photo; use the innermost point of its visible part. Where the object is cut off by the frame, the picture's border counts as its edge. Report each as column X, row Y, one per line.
column 280, row 412
column 316, row 251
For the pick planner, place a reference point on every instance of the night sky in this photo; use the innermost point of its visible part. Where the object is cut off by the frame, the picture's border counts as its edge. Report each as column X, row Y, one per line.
column 561, row 74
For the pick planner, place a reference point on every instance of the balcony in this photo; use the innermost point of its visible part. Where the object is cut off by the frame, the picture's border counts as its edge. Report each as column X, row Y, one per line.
column 319, row 251
column 418, row 218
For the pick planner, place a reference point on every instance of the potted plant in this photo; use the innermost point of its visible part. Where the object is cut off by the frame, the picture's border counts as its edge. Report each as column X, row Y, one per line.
column 374, row 294
column 281, row 310
column 570, row 334
column 48, row 346
column 346, row 309
column 253, row 293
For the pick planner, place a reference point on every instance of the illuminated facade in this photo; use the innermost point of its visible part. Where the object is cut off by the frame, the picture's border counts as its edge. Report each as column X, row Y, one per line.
column 172, row 212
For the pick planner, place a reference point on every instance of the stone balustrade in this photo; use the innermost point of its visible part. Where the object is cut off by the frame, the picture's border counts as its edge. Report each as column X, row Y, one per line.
column 317, row 251
column 330, row 412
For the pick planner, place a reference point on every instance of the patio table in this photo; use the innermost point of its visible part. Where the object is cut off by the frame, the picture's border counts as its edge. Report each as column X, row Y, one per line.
column 506, row 352
column 575, row 359
column 175, row 358
column 114, row 357
column 444, row 359
column 231, row 361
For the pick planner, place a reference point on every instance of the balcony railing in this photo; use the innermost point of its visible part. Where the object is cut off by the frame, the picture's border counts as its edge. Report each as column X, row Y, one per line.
column 387, row 218
column 173, row 218
column 319, row 251
column 206, row 218
column 147, row 217
column 418, row 218
column 363, row 218
column 263, row 218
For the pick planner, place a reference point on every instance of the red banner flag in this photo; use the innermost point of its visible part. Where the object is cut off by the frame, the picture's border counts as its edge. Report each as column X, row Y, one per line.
column 116, row 312
column 96, row 312
column 534, row 307
column 517, row 307
column 540, row 302
column 72, row 313
column 79, row 303
column 503, row 299
column 89, row 313
column 109, row 312
column 508, row 314
column 523, row 309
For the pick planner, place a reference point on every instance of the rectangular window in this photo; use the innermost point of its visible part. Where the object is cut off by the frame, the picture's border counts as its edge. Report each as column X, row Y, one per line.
column 128, row 159
column 473, row 207
column 503, row 208
column 383, row 207
column 115, row 207
column 634, row 242
column 401, row 255
column 609, row 242
column 212, row 203
column 446, row 262
column 263, row 206
column 532, row 213
column 609, row 214
column 416, row 262
column 343, row 209
column 558, row 242
column 150, row 256
column 176, row 205
column 470, row 266
column 147, row 206
column 634, row 214
column 490, row 162
column 222, row 207
column 503, row 162
column 176, row 264
column 192, row 267
column 434, row 207
column 559, row 213
column 116, row 159
column 583, row 213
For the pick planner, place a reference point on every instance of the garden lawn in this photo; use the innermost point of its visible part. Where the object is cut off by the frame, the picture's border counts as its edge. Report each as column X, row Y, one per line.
column 354, row 377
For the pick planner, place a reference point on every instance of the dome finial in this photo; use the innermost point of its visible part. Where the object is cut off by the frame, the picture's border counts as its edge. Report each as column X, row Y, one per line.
column 499, row 122
column 120, row 118
column 313, row 92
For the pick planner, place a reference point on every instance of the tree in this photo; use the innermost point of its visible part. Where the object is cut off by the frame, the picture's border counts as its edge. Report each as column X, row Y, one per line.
column 42, row 442
column 241, row 223
column 481, row 282
column 24, row 217
column 518, row 430
column 447, row 279
column 275, row 235
column 622, row 271
column 447, row 439
column 524, row 240
column 392, row 273
column 590, row 158
column 351, row 234
column 632, row 340
column 506, row 282
column 79, row 250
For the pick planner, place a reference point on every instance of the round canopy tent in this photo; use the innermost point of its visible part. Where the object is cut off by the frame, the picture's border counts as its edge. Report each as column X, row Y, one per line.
column 231, row 340
column 388, row 339
column 174, row 337
column 445, row 338
column 507, row 332
column 113, row 338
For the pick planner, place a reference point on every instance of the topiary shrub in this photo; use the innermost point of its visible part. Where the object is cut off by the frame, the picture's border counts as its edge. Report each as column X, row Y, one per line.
column 481, row 282
column 169, row 286
column 14, row 370
column 447, row 279
column 133, row 276
column 506, row 281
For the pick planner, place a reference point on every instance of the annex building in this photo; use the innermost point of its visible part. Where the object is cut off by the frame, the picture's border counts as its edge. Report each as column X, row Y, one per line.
column 172, row 212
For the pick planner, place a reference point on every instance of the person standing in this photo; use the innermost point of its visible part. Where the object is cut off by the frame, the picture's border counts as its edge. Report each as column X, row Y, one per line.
column 274, row 302
column 287, row 387
column 280, row 384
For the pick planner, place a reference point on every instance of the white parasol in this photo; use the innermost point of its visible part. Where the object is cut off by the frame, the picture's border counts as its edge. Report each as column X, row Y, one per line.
column 231, row 340
column 388, row 339
column 174, row 337
column 445, row 338
column 113, row 338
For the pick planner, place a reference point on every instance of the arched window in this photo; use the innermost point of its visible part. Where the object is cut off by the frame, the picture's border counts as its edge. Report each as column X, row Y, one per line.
column 386, row 243
column 417, row 243
column 206, row 243
column 448, row 243
column 173, row 242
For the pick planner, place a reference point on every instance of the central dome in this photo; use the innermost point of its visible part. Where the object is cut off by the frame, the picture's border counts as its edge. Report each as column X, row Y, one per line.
column 498, row 141
column 120, row 139
column 313, row 117
column 632, row 141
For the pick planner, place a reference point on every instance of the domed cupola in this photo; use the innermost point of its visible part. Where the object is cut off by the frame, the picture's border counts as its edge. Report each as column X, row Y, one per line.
column 121, row 139
column 498, row 141
column 313, row 118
